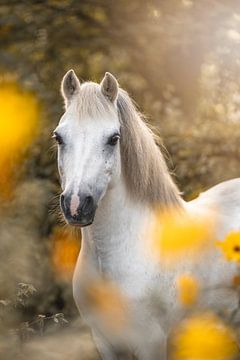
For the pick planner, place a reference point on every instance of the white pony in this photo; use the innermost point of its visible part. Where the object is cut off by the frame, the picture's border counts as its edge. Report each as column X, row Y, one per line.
column 112, row 176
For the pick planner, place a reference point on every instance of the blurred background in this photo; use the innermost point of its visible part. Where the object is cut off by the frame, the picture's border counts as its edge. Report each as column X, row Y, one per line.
column 180, row 61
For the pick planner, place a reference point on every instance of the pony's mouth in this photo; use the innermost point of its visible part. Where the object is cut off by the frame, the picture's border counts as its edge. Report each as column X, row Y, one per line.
column 79, row 220
column 80, row 224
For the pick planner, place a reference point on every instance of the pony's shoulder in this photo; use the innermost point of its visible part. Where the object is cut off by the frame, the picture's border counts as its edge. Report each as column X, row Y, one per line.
column 225, row 191
column 222, row 201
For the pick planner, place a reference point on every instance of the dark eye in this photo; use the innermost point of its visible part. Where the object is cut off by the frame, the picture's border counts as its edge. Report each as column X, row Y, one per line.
column 113, row 139
column 58, row 138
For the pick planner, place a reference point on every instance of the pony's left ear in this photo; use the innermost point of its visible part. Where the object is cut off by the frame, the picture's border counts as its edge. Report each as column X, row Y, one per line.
column 109, row 87
column 70, row 86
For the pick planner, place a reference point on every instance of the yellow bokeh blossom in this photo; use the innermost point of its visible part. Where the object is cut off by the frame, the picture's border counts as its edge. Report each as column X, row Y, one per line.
column 65, row 250
column 236, row 281
column 204, row 337
column 231, row 246
column 178, row 235
column 108, row 304
column 187, row 289
column 19, row 114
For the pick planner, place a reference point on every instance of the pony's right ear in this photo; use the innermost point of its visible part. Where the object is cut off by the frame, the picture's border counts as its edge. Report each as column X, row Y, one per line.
column 70, row 86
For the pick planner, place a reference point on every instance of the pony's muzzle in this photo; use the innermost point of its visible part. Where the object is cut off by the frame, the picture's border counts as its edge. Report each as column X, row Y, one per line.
column 78, row 210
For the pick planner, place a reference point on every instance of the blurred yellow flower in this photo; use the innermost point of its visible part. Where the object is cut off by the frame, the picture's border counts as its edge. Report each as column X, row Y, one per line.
column 236, row 281
column 204, row 337
column 65, row 252
column 231, row 246
column 108, row 304
column 177, row 234
column 19, row 114
column 188, row 289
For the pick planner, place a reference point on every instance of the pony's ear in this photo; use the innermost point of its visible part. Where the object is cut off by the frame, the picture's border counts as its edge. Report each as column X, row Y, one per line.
column 109, row 86
column 70, row 86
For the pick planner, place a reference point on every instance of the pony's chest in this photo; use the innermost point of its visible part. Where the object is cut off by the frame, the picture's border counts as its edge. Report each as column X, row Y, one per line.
column 100, row 303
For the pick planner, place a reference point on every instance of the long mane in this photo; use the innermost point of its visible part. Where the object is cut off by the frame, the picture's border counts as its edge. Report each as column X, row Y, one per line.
column 144, row 168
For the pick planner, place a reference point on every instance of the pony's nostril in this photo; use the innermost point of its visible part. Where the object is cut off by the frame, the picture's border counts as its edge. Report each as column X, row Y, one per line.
column 62, row 201
column 87, row 205
column 65, row 203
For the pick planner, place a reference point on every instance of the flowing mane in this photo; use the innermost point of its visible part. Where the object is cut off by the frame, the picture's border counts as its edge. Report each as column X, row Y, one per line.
column 144, row 169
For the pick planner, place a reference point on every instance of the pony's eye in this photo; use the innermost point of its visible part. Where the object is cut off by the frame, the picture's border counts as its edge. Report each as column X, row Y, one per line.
column 113, row 139
column 58, row 138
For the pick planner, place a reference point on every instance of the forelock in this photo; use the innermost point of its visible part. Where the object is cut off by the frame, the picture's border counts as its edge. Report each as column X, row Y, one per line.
column 92, row 103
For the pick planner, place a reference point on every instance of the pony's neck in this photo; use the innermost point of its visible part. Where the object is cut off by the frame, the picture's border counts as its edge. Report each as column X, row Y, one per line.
column 117, row 231
column 116, row 245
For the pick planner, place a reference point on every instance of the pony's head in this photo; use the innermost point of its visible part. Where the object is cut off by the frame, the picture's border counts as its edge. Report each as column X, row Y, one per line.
column 88, row 146
column 90, row 158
